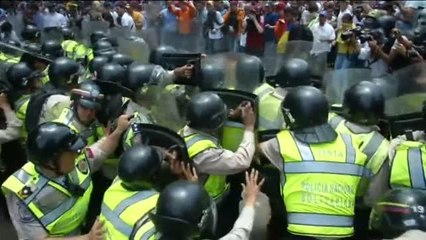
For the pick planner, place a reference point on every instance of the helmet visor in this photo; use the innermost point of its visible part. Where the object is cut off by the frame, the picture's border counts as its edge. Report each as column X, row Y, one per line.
column 77, row 145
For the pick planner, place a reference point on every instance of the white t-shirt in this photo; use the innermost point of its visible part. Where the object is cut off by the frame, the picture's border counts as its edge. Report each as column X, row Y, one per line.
column 127, row 21
column 216, row 33
column 321, row 34
column 54, row 20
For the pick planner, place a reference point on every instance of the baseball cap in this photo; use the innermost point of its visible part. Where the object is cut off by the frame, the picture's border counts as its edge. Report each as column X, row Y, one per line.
column 323, row 13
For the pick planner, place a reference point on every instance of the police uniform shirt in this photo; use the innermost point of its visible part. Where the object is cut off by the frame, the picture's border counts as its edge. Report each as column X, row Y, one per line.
column 243, row 226
column 13, row 128
column 377, row 187
column 221, row 161
column 53, row 107
column 26, row 226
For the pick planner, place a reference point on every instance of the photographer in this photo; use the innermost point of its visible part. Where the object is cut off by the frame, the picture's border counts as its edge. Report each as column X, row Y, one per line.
column 348, row 46
column 370, row 57
column 401, row 53
column 253, row 25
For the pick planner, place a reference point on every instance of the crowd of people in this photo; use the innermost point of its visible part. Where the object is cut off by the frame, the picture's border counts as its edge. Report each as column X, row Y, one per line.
column 240, row 141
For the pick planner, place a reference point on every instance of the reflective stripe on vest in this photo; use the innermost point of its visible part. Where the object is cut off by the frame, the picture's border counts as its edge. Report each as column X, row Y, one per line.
column 215, row 185
column 143, row 232
column 335, row 120
column 56, row 208
column 21, row 109
column 373, row 144
column 408, row 166
column 320, row 185
column 112, row 215
column 318, row 219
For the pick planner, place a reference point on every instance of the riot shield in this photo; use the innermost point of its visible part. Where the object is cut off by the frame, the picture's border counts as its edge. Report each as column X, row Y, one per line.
column 222, row 74
column 52, row 33
column 159, row 136
column 295, row 49
column 88, row 27
column 17, row 22
column 136, row 48
column 335, row 83
column 405, row 111
column 162, row 105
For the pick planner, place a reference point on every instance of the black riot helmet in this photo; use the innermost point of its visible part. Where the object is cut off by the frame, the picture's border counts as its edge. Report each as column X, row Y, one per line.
column 112, row 72
column 213, row 76
column 52, row 49
column 112, row 40
column 87, row 95
column 140, row 75
column 122, row 59
column 192, row 211
column 95, row 36
column 305, row 110
column 398, row 211
column 97, row 63
column 294, row 72
column 206, row 112
column 10, row 51
column 49, row 140
column 6, row 27
column 155, row 56
column 110, row 78
column 250, row 69
column 64, row 72
column 30, row 33
column 139, row 166
column 21, row 76
column 103, row 48
column 364, row 103
column 67, row 33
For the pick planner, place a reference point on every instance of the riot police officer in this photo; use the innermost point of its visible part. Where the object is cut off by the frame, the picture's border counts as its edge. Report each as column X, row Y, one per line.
column 8, row 54
column 250, row 70
column 96, row 65
column 363, row 106
column 122, row 59
column 24, row 81
column 321, row 168
column 69, row 43
column 52, row 49
column 294, row 72
column 406, row 156
column 129, row 200
column 48, row 103
column 30, row 34
column 206, row 113
column 81, row 116
column 49, row 196
column 400, row 214
column 193, row 212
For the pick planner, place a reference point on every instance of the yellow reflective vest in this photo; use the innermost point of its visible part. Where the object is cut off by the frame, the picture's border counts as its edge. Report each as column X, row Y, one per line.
column 92, row 134
column 373, row 145
column 129, row 136
column 45, row 78
column 57, row 209
column 408, row 166
column 69, row 47
column 270, row 115
column 126, row 213
column 320, row 184
column 9, row 58
column 21, row 106
column 215, row 185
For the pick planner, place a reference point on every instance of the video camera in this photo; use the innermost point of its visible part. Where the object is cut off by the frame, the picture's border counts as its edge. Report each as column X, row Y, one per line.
column 360, row 33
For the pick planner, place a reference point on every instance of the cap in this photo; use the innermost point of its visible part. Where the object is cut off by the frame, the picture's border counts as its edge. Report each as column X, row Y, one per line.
column 323, row 13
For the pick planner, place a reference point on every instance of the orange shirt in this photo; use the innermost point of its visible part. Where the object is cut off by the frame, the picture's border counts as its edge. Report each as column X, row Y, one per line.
column 280, row 28
column 185, row 17
column 138, row 19
column 240, row 18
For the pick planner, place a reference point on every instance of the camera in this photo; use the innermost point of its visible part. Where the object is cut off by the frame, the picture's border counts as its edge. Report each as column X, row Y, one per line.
column 360, row 33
